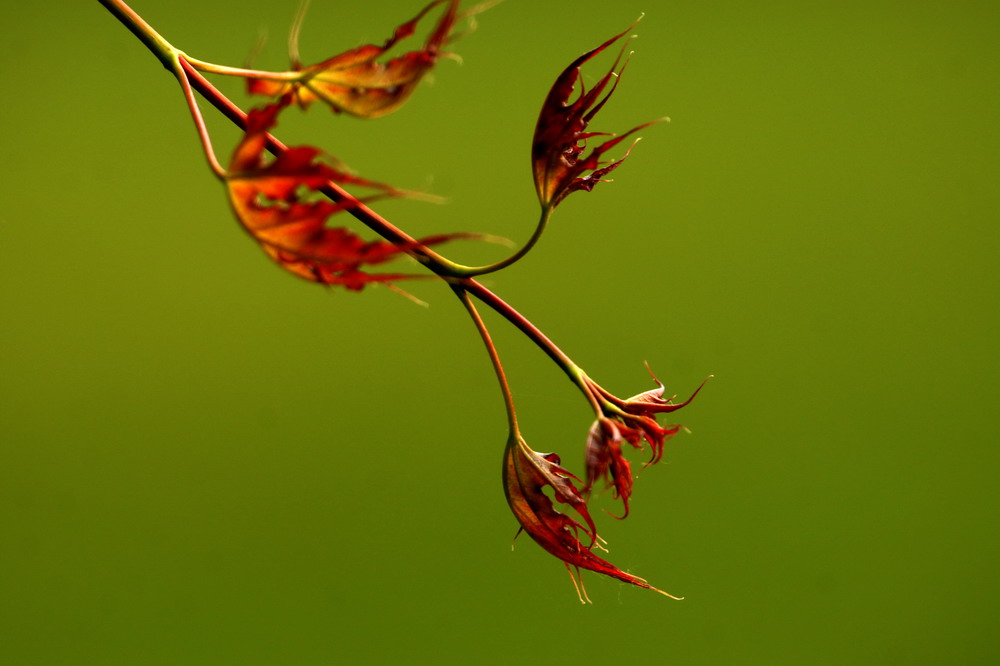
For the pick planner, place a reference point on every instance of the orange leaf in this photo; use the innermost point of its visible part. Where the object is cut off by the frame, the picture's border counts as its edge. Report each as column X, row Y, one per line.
column 356, row 83
column 273, row 202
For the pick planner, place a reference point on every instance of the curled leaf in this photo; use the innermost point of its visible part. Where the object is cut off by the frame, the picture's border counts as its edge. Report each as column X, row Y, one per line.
column 276, row 202
column 356, row 83
column 639, row 420
column 560, row 162
column 604, row 460
column 526, row 473
column 633, row 421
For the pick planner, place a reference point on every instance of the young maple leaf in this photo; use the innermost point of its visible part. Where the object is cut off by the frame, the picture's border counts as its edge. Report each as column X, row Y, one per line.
column 604, row 460
column 269, row 199
column 557, row 153
column 355, row 83
column 634, row 421
column 525, row 475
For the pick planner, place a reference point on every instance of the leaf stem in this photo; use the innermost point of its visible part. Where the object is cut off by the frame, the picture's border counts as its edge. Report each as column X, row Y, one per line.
column 471, row 271
column 225, row 70
column 491, row 349
column 199, row 120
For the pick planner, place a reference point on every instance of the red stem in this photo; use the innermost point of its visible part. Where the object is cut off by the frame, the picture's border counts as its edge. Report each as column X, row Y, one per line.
column 491, row 349
column 430, row 259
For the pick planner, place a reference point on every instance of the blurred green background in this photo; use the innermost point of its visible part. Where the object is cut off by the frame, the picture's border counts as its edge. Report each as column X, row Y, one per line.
column 207, row 461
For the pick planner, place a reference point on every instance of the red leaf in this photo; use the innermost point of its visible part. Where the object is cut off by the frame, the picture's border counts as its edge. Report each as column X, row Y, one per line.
column 604, row 460
column 639, row 418
column 557, row 152
column 272, row 200
column 355, row 83
column 634, row 421
column 526, row 473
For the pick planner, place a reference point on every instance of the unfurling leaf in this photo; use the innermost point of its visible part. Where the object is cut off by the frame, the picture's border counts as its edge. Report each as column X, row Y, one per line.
column 604, row 460
column 634, row 421
column 526, row 473
column 557, row 153
column 639, row 418
column 355, row 83
column 272, row 200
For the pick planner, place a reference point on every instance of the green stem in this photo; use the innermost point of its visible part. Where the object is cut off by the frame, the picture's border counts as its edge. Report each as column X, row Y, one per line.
column 472, row 271
column 225, row 70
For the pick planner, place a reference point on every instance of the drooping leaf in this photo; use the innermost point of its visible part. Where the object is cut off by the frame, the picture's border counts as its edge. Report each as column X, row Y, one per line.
column 276, row 202
column 356, row 82
column 526, row 474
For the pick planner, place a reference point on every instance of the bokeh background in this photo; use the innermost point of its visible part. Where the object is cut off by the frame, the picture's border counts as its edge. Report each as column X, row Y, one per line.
column 207, row 461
